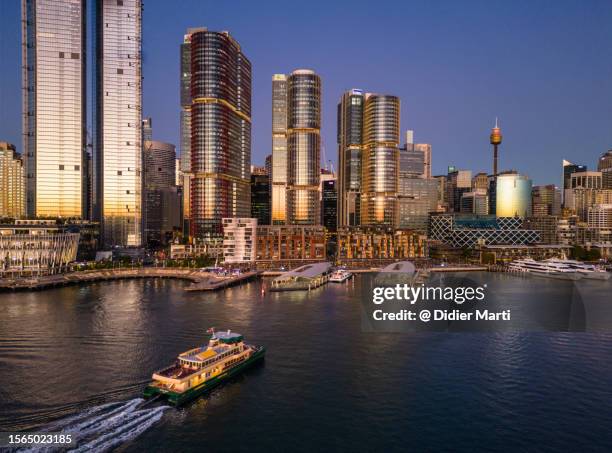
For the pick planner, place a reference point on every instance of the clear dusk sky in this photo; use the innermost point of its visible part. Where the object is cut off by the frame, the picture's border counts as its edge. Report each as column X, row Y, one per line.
column 543, row 67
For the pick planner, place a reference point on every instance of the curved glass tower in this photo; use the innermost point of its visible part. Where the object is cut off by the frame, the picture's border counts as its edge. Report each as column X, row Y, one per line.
column 513, row 195
column 220, row 132
column 380, row 160
column 303, row 147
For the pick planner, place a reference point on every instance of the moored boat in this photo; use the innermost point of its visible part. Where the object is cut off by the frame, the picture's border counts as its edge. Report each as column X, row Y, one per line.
column 200, row 369
column 545, row 269
column 340, row 276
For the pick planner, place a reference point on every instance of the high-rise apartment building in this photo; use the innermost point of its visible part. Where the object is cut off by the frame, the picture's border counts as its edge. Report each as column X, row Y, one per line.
column 220, row 132
column 350, row 144
column 380, row 160
column 118, row 122
column 12, row 183
column 54, row 114
column 279, row 149
column 303, row 147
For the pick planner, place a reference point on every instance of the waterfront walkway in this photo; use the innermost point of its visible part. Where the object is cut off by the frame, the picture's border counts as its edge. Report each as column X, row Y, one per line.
column 200, row 281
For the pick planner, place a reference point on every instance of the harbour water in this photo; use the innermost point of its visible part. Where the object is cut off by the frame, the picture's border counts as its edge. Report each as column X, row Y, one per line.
column 77, row 358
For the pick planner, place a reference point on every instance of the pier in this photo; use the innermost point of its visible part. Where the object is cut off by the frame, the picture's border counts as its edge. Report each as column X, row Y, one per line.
column 303, row 278
column 200, row 281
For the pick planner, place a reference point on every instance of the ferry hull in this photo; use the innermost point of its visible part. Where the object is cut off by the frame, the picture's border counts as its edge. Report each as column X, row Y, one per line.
column 180, row 398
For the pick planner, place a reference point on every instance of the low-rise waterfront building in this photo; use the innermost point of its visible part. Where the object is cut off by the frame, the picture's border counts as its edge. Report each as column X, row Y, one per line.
column 468, row 230
column 376, row 245
column 37, row 248
column 289, row 245
column 239, row 239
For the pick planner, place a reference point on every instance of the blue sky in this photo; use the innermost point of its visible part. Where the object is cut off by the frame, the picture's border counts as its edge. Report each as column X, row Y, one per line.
column 543, row 67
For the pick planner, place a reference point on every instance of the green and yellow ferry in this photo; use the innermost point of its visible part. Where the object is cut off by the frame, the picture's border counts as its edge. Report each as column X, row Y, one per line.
column 199, row 370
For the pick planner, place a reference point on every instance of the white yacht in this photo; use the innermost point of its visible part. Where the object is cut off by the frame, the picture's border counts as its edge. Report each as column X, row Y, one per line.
column 545, row 269
column 340, row 275
column 586, row 270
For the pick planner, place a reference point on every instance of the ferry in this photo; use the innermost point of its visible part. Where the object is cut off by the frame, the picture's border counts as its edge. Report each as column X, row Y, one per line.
column 340, row 276
column 199, row 370
column 545, row 269
column 589, row 271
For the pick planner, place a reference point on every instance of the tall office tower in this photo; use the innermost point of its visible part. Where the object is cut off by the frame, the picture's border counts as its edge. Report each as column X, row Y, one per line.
column 425, row 148
column 545, row 200
column 480, row 181
column 161, row 195
column 380, row 160
column 220, row 132
column 350, row 143
column 54, row 115
column 260, row 195
column 329, row 207
column 12, row 183
column 513, row 195
column 303, row 147
column 417, row 196
column 568, row 169
column 458, row 182
column 586, row 180
column 118, row 122
column 279, row 149
column 475, row 202
column 496, row 139
column 605, row 161
column 147, row 130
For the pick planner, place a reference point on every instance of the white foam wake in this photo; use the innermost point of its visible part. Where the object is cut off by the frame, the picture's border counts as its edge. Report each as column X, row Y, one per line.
column 103, row 427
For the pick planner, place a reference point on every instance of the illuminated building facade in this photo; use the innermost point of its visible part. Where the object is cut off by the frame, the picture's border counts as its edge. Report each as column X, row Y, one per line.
column 546, row 200
column 279, row 149
column 380, row 160
column 350, row 144
column 118, row 122
column 289, row 244
column 12, row 183
column 220, row 132
column 239, row 240
column 54, row 115
column 513, row 195
column 303, row 147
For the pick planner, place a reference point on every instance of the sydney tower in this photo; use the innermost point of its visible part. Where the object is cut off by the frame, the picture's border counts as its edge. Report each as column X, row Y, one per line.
column 496, row 139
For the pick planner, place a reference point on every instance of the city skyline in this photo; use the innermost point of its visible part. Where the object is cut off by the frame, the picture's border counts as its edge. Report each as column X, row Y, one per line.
column 451, row 76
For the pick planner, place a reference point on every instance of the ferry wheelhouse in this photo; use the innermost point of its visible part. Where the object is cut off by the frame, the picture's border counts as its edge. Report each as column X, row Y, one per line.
column 200, row 369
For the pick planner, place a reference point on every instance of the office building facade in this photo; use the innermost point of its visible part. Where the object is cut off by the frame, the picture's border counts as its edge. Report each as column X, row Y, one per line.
column 260, row 195
column 380, row 160
column 117, row 192
column 54, row 113
column 220, row 132
column 329, row 207
column 350, row 144
column 512, row 195
column 303, row 147
column 279, row 158
column 12, row 183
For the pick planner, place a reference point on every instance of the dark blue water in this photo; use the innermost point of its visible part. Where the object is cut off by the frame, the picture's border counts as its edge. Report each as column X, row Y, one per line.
column 324, row 384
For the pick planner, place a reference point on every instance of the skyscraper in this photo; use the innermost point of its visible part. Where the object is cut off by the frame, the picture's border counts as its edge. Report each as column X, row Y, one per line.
column 350, row 142
column 380, row 160
column 54, row 115
column 118, row 122
column 260, row 195
column 12, row 189
column 330, row 205
column 513, row 195
column 220, row 132
column 279, row 149
column 303, row 147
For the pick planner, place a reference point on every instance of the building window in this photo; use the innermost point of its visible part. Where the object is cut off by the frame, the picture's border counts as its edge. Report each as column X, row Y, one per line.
column 61, row 167
column 119, row 71
column 119, row 172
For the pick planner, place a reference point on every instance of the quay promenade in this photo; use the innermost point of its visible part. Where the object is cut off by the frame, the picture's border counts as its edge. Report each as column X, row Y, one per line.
column 200, row 281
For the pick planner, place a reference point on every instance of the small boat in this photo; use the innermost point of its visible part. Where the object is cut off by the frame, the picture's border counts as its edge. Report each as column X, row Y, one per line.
column 198, row 370
column 340, row 276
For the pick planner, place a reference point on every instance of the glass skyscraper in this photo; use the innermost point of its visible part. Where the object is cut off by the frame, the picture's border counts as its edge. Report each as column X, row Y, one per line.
column 279, row 149
column 118, row 122
column 380, row 160
column 54, row 115
column 220, row 132
column 303, row 147
column 350, row 142
column 513, row 195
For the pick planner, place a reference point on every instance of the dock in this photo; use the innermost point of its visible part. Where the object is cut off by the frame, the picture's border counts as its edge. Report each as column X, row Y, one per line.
column 303, row 278
column 200, row 281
